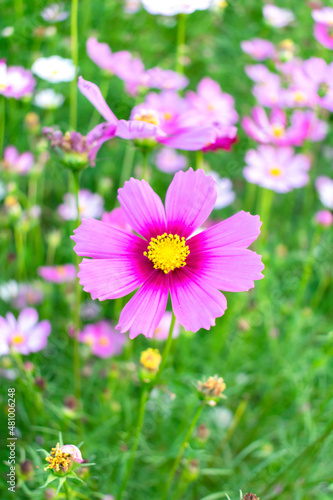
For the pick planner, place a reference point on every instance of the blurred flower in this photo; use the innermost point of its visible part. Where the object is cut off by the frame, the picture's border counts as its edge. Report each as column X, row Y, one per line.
column 324, row 186
column 117, row 218
column 48, row 99
column 45, row 31
column 323, row 26
column 15, row 81
column 28, row 294
column 275, row 129
column 222, row 417
column 314, row 80
column 26, row 468
column 17, row 163
column 258, row 48
column 217, row 5
column 151, row 359
column 193, row 270
column 90, row 205
column 58, row 274
column 164, row 79
column 286, row 50
column 250, row 496
column 54, row 13
column 7, row 32
column 90, row 310
column 324, row 218
column 165, row 118
column 31, row 121
column 174, row 7
column 211, row 390
column 103, row 340
column 132, row 6
column 62, row 459
column 278, row 169
column 225, row 194
column 54, row 69
column 276, row 17
column 24, row 334
column 162, row 331
column 225, row 137
column 2, row 190
column 169, row 161
column 76, row 150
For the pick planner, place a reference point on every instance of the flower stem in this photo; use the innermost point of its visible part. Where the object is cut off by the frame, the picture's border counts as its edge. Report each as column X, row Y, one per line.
column 127, row 164
column 77, row 376
column 199, row 159
column 67, row 491
column 144, row 165
column 266, row 200
column 166, row 350
column 75, row 57
column 144, row 397
column 307, row 271
column 180, row 43
column 19, row 243
column 181, row 452
column 2, row 122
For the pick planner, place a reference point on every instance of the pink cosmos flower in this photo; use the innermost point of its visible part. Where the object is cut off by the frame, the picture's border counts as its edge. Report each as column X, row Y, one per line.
column 324, row 218
column 132, row 6
column 174, row 7
column 103, row 340
column 28, row 294
column 277, row 17
column 323, row 30
column 90, row 205
column 117, row 219
column 58, row 274
column 324, row 186
column 226, row 136
column 278, row 169
column 275, row 129
column 169, row 161
column 24, row 334
column 74, row 451
column 315, row 81
column 318, row 128
column 258, row 48
column 15, row 81
column 164, row 117
column 17, row 163
column 162, row 331
column 165, row 258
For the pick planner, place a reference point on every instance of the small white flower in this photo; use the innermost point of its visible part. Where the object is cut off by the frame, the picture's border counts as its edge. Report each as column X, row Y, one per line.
column 8, row 31
column 54, row 13
column 54, row 69
column 174, row 7
column 225, row 194
column 276, row 17
column 48, row 99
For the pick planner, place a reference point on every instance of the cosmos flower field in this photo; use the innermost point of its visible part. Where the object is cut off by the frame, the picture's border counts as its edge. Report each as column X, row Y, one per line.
column 166, row 250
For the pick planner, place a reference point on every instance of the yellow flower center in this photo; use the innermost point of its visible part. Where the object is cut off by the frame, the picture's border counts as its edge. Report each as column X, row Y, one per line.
column 147, row 116
column 167, row 115
column 167, row 252
column 3, row 86
column 61, row 270
column 278, row 131
column 104, row 340
column 58, row 461
column 150, row 359
column 17, row 338
column 275, row 171
column 299, row 96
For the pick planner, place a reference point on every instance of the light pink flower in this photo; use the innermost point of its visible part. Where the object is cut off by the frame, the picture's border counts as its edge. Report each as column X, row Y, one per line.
column 15, row 81
column 90, row 205
column 24, row 334
column 74, row 451
column 324, row 186
column 323, row 30
column 117, row 219
column 103, row 340
column 28, row 294
column 258, row 48
column 58, row 274
column 314, row 79
column 17, row 163
column 174, row 7
column 165, row 259
column 324, row 218
column 275, row 129
column 225, row 194
column 277, row 17
column 169, row 161
column 164, row 79
column 278, row 169
column 162, row 331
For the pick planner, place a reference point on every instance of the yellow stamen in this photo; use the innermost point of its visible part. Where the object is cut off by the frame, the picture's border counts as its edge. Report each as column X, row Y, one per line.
column 275, row 171
column 17, row 338
column 104, row 340
column 278, row 131
column 167, row 115
column 151, row 359
column 58, row 461
column 147, row 116
column 167, row 252
column 299, row 96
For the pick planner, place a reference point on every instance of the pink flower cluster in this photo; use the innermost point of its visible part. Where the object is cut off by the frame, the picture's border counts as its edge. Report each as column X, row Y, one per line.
column 17, row 163
column 103, row 340
column 15, row 81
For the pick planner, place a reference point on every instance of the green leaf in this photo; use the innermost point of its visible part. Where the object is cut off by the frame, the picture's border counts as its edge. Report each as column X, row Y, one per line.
column 49, row 480
column 61, row 482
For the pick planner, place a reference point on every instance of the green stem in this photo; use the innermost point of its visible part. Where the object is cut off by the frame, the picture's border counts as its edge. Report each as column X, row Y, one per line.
column 166, row 351
column 307, row 271
column 75, row 57
column 266, row 200
column 2, row 123
column 18, row 233
column 181, row 452
column 67, row 491
column 250, row 195
column 199, row 159
column 144, row 165
column 18, row 4
column 77, row 375
column 180, row 43
column 144, row 397
column 127, row 164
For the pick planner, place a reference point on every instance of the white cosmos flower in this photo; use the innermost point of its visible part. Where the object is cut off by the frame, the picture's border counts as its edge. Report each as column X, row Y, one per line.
column 54, row 69
column 279, row 18
column 173, row 7
column 48, row 99
column 54, row 13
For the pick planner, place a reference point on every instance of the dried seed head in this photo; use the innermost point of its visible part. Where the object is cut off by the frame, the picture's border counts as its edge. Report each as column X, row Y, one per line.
column 250, row 496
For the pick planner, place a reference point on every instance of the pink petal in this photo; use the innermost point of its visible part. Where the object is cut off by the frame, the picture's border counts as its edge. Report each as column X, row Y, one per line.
column 143, row 208
column 143, row 313
column 11, row 154
column 94, row 95
column 192, row 139
column 28, row 317
column 194, row 302
column 189, row 201
column 37, row 339
column 136, row 129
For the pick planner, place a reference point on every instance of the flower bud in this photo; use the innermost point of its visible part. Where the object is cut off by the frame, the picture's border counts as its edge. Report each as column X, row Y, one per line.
column 150, row 360
column 211, row 390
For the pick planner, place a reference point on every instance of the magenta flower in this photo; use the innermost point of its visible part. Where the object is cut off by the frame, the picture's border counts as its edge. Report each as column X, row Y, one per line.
column 117, row 219
column 58, row 274
column 162, row 331
column 258, row 48
column 164, row 117
column 275, row 129
column 17, row 163
column 324, row 186
column 323, row 30
column 90, row 205
column 324, row 218
column 15, row 81
column 169, row 161
column 226, row 136
column 103, row 340
column 24, row 334
column 278, row 169
column 164, row 258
